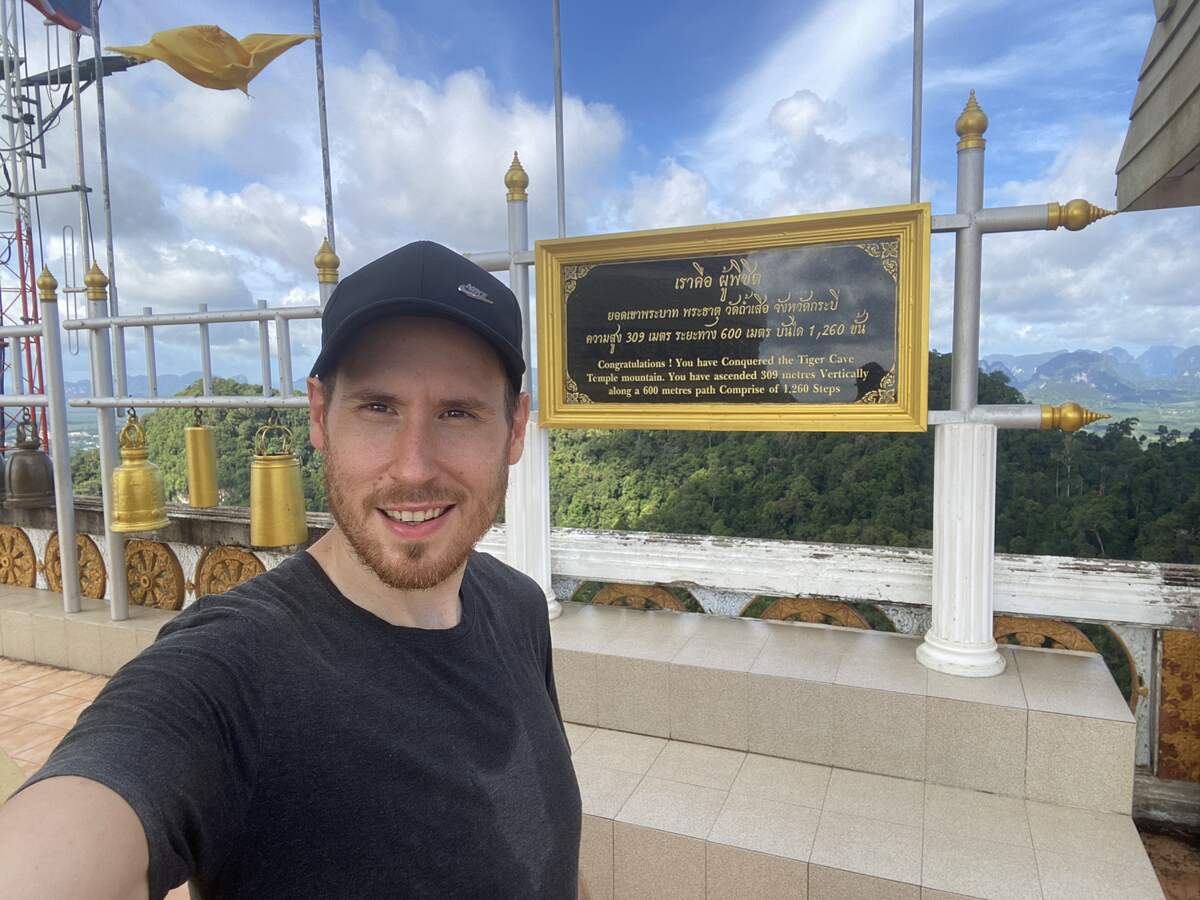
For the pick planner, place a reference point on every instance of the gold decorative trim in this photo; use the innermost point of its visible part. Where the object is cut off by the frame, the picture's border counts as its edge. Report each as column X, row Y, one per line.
column 93, row 576
column 18, row 562
column 1036, row 633
column 888, row 254
column 572, row 394
column 572, row 275
column 814, row 611
column 885, row 393
column 154, row 575
column 223, row 568
column 1179, row 707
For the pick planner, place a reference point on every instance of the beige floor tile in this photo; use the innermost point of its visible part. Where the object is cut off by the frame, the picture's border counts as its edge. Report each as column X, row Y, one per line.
column 715, row 653
column 28, row 768
column 596, row 858
column 977, row 815
column 587, row 628
column 13, row 742
column 1066, row 877
column 39, row 753
column 771, row 778
column 931, row 894
column 791, row 658
column 979, row 746
column 577, row 734
column 737, row 874
column 16, row 694
column 604, row 791
column 67, row 716
column 999, row 690
column 575, row 684
column 698, row 764
column 710, row 706
column 85, row 690
column 879, row 797
column 24, row 672
column 8, row 723
column 633, row 694
column 620, row 750
column 16, row 635
column 879, row 731
column 883, row 674
column 1084, row 832
column 978, row 868
column 1080, row 761
column 1072, row 698
column 670, row 806
column 1037, row 666
column 38, row 708
column 766, row 826
column 655, row 865
column 57, row 680
column 825, row 883
column 864, row 645
column 868, row 847
column 791, row 718
column 735, row 631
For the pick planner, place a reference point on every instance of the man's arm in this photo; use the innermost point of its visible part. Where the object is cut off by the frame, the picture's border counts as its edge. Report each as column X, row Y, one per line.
column 72, row 837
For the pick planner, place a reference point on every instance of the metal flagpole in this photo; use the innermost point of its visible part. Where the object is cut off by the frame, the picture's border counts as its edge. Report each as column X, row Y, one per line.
column 113, row 306
column 914, row 192
column 558, row 124
column 324, row 126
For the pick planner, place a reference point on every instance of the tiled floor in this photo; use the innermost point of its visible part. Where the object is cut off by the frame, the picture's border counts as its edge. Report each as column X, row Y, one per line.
column 37, row 706
column 669, row 819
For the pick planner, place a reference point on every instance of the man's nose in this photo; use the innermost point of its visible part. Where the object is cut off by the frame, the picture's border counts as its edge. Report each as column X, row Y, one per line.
column 414, row 453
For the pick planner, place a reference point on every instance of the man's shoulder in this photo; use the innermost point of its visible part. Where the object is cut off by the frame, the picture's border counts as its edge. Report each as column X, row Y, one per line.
column 503, row 582
column 249, row 609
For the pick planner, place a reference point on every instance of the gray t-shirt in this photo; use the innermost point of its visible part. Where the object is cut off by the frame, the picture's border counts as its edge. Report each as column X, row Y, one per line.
column 280, row 741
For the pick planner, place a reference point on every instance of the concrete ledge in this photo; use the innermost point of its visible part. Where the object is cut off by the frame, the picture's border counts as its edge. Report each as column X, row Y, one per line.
column 1052, row 727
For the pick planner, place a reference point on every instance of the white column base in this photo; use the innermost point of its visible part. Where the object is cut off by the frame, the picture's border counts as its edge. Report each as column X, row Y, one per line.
column 954, row 658
column 527, row 513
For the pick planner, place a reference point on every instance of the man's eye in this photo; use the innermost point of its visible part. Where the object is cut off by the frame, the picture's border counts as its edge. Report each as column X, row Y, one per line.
column 375, row 407
column 457, row 414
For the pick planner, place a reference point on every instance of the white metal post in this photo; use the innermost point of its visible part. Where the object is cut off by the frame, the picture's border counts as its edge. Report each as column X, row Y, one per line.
column 60, row 448
column 527, row 505
column 960, row 640
column 102, row 386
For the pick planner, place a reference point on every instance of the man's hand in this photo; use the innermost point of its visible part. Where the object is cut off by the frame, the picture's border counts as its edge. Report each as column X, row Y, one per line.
column 72, row 837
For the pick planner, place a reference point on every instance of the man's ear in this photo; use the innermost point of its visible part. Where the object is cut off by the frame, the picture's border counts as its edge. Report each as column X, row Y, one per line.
column 516, row 437
column 317, row 411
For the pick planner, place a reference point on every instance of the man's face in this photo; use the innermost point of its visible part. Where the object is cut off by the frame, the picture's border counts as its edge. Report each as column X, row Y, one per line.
column 417, row 446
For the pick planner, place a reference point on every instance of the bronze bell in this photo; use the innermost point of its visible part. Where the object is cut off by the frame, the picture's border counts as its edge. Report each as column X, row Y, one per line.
column 28, row 474
column 276, row 496
column 200, row 449
column 139, row 501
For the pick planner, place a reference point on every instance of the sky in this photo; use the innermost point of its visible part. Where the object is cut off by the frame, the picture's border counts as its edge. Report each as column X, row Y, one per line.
column 676, row 113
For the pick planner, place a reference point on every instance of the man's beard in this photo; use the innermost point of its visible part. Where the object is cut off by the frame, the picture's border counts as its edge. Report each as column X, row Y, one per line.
column 411, row 565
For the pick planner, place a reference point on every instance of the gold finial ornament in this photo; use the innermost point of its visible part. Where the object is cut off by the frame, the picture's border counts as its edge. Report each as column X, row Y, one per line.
column 327, row 263
column 516, row 179
column 47, row 286
column 1075, row 215
column 972, row 123
column 96, row 283
column 1069, row 416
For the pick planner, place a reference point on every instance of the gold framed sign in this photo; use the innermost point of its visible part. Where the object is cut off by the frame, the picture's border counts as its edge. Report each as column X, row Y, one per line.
column 805, row 323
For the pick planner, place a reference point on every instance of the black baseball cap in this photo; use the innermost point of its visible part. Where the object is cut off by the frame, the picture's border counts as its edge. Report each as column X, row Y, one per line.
column 423, row 279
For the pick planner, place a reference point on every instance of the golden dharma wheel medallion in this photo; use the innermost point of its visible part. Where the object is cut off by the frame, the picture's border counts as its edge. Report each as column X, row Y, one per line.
column 223, row 568
column 18, row 562
column 1040, row 633
column 638, row 596
column 813, row 611
column 153, row 574
column 93, row 577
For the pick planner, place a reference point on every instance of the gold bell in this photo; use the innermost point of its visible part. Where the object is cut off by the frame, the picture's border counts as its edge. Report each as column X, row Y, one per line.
column 28, row 475
column 139, row 502
column 276, row 496
column 200, row 450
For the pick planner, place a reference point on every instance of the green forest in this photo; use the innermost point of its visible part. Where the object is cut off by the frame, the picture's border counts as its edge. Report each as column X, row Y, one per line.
column 1099, row 493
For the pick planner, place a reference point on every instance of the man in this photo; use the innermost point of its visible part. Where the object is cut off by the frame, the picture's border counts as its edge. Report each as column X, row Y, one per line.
column 375, row 717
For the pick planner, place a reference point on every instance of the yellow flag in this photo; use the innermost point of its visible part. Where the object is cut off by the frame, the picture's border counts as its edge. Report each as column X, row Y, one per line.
column 211, row 57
